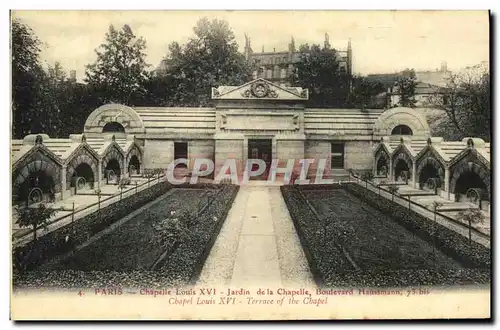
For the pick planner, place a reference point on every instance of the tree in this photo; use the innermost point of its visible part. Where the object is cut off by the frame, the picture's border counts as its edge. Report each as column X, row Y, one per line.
column 393, row 190
column 405, row 87
column 367, row 176
column 124, row 182
column 364, row 93
column 42, row 100
column 119, row 72
column 319, row 71
column 36, row 217
column 436, row 205
column 209, row 59
column 465, row 102
column 26, row 78
column 472, row 215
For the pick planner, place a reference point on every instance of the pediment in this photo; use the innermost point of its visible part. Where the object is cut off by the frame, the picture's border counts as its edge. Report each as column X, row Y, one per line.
column 259, row 89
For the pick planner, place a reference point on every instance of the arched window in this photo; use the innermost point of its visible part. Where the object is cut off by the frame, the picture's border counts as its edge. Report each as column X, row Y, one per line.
column 401, row 130
column 113, row 126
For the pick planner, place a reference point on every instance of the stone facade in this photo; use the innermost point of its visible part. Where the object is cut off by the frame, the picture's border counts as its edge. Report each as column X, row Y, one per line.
column 256, row 120
column 456, row 166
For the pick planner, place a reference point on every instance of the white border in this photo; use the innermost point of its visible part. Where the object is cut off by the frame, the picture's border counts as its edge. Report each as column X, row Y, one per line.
column 220, row 5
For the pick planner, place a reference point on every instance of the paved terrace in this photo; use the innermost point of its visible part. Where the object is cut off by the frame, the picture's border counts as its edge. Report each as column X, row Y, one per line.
column 257, row 244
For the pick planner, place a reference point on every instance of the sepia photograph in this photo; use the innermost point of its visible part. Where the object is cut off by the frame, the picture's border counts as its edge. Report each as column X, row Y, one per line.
column 250, row 165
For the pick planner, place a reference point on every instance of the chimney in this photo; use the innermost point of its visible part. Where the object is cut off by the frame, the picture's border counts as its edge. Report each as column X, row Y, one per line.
column 291, row 46
column 327, row 41
column 444, row 66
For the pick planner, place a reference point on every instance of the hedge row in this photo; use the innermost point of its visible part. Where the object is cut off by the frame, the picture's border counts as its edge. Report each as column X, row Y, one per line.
column 186, row 262
column 183, row 263
column 322, row 255
column 473, row 255
column 64, row 239
column 330, row 266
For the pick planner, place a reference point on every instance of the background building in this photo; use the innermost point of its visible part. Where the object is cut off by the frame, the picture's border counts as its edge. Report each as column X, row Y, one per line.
column 278, row 66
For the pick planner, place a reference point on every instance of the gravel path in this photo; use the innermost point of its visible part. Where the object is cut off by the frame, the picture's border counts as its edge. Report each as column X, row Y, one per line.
column 257, row 244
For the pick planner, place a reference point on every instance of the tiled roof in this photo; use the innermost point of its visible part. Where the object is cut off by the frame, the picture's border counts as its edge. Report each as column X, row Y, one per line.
column 448, row 150
column 101, row 143
column 415, row 146
column 340, row 121
column 60, row 147
column 16, row 146
column 161, row 120
column 63, row 148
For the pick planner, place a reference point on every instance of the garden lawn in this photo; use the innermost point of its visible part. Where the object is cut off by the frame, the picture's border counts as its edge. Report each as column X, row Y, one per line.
column 372, row 239
column 133, row 245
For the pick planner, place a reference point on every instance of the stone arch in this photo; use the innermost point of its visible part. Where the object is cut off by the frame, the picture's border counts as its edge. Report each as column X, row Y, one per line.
column 381, row 159
column 114, row 113
column 113, row 126
column 134, row 156
column 422, row 174
column 82, row 156
column 394, row 117
column 401, row 156
column 113, row 153
column 402, row 130
column 38, row 164
column 467, row 166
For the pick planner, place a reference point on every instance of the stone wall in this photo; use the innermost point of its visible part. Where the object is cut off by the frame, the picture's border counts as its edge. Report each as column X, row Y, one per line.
column 289, row 149
column 158, row 153
column 229, row 149
column 200, row 149
column 358, row 155
column 316, row 149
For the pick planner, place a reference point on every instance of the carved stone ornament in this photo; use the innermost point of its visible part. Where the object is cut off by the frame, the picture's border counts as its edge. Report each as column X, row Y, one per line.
column 259, row 89
column 429, row 141
column 84, row 138
column 38, row 139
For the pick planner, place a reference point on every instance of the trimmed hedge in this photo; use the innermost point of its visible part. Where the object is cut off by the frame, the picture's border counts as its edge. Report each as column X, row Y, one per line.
column 35, row 253
column 331, row 267
column 183, row 262
column 184, row 265
column 447, row 240
column 320, row 256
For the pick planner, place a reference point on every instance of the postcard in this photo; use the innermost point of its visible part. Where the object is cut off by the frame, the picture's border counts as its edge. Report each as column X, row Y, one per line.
column 250, row 165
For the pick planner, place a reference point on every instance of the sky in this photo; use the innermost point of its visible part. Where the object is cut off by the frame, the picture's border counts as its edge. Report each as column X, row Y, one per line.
column 382, row 41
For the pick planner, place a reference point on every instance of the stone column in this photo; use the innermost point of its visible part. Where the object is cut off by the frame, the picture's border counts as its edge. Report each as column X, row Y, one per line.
column 63, row 182
column 274, row 150
column 125, row 166
column 374, row 165
column 244, row 157
column 447, row 182
column 99, row 174
column 414, row 174
column 390, row 170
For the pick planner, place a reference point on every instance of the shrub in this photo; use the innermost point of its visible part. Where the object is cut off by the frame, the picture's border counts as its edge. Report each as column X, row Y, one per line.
column 54, row 243
column 331, row 268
